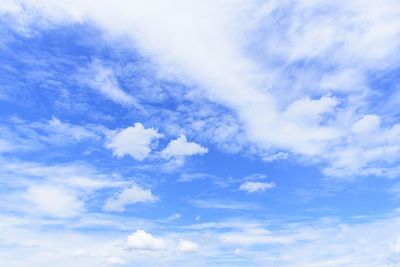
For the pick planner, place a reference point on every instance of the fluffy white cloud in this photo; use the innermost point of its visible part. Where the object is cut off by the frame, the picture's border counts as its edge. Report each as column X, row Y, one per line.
column 131, row 195
column 187, row 246
column 252, row 187
column 140, row 240
column 180, row 147
column 53, row 201
column 134, row 141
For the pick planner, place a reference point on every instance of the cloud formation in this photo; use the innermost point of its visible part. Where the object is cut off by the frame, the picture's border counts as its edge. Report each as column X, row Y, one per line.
column 128, row 196
column 252, row 187
column 298, row 90
column 134, row 141
column 53, row 201
column 141, row 240
column 319, row 101
column 103, row 79
column 180, row 147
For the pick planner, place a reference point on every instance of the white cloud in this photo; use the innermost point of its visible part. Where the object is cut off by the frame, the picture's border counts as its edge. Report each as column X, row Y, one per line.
column 370, row 149
column 140, row 240
column 298, row 81
column 20, row 135
column 180, row 147
column 104, row 80
column 366, row 125
column 80, row 253
column 374, row 242
column 274, row 157
column 60, row 132
column 59, row 190
column 115, row 261
column 7, row 146
column 131, row 195
column 252, row 187
column 187, row 246
column 134, row 141
column 53, row 201
column 77, row 176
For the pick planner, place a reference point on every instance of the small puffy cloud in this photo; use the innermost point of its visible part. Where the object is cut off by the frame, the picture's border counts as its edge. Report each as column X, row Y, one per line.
column 54, row 201
column 140, row 240
column 188, row 246
column 134, row 141
column 252, row 187
column 180, row 147
column 131, row 195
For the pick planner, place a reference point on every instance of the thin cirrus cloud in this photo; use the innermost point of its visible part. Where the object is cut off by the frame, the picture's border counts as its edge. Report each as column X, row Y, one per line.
column 103, row 79
column 35, row 135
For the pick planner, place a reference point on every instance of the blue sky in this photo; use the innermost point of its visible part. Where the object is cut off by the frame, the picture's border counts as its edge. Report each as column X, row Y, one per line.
column 201, row 133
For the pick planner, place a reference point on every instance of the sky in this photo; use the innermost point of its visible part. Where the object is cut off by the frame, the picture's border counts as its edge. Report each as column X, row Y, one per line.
column 199, row 133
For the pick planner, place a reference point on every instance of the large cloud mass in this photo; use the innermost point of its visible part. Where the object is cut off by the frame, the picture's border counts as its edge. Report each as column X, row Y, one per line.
column 306, row 94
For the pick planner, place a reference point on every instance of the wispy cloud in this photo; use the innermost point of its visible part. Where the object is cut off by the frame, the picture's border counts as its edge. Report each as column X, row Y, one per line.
column 103, row 79
column 223, row 204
